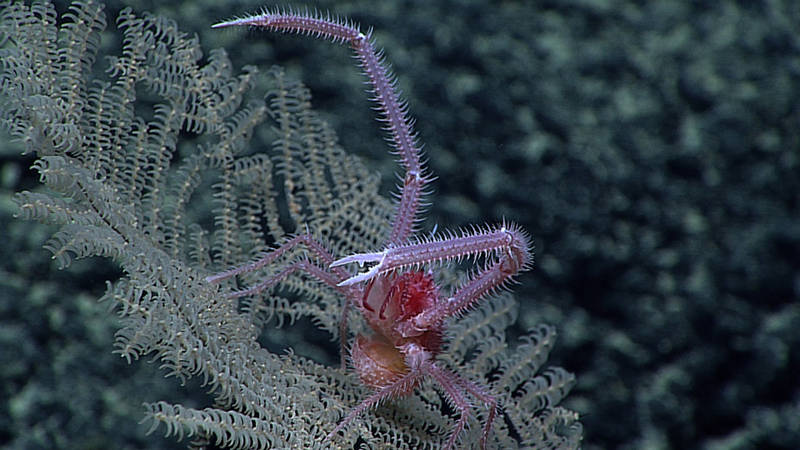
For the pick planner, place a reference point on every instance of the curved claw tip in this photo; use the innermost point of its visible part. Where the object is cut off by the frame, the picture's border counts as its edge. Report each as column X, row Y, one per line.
column 365, row 276
column 252, row 20
column 360, row 258
column 215, row 278
column 228, row 23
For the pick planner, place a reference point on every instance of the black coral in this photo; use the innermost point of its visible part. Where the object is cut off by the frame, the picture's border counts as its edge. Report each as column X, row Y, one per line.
column 151, row 167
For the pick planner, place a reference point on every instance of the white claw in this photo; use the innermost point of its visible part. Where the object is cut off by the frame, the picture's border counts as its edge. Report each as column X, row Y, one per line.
column 229, row 23
column 361, row 259
column 364, row 276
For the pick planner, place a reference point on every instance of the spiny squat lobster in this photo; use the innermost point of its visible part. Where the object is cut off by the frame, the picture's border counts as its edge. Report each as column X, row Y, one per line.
column 401, row 303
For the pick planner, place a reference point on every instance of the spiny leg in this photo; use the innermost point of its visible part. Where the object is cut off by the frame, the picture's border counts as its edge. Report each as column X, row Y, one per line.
column 393, row 111
column 454, row 386
column 451, row 386
column 479, row 393
column 403, row 386
column 304, row 266
column 507, row 240
column 268, row 258
column 331, row 277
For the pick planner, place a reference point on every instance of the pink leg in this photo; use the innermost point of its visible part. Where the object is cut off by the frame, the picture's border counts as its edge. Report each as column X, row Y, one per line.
column 450, row 383
column 322, row 253
column 479, row 393
column 399, row 388
column 392, row 110
column 343, row 332
column 301, row 266
column 454, row 386
column 331, row 277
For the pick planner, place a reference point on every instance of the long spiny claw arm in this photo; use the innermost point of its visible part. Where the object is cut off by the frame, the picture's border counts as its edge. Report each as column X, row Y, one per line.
column 506, row 239
column 393, row 110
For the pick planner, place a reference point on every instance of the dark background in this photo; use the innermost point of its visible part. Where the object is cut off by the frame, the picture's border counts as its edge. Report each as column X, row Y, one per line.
column 650, row 148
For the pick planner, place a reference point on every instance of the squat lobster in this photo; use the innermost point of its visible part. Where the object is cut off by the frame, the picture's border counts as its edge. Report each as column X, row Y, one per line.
column 400, row 301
